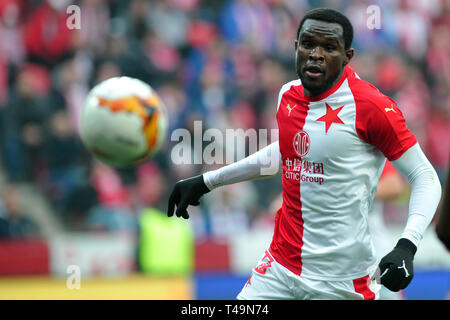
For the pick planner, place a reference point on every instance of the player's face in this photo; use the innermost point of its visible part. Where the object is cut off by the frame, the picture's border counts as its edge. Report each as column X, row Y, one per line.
column 320, row 55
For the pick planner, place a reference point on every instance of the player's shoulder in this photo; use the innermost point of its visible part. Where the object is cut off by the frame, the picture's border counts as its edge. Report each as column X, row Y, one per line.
column 368, row 98
column 290, row 85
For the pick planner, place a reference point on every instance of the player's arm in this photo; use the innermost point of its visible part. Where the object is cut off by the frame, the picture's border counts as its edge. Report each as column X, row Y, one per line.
column 396, row 268
column 425, row 191
column 380, row 123
column 261, row 164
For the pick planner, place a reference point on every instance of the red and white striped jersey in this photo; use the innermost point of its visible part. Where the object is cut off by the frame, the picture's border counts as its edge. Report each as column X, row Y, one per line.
column 333, row 149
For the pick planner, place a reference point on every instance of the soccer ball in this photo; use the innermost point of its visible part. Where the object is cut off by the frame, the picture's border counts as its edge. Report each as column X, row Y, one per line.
column 123, row 122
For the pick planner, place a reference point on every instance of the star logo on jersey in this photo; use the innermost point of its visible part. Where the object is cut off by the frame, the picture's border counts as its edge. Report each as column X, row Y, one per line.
column 331, row 117
column 290, row 109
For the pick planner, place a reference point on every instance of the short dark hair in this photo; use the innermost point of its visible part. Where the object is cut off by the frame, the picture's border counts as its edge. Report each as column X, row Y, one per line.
column 333, row 16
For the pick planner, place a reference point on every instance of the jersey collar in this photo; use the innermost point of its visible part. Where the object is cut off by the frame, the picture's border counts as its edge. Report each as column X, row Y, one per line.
column 347, row 71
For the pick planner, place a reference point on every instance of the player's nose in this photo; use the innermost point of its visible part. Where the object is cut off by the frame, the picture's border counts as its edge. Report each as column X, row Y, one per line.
column 317, row 54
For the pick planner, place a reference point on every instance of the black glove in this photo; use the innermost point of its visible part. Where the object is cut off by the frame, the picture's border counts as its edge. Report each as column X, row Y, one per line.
column 396, row 268
column 186, row 192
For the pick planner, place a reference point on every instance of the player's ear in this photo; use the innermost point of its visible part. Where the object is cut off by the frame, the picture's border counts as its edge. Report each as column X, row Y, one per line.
column 348, row 55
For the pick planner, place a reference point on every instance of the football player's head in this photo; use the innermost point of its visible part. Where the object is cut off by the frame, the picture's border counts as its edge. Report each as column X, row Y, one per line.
column 322, row 49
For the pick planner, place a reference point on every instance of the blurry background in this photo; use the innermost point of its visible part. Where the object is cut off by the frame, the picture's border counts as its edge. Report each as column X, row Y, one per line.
column 220, row 61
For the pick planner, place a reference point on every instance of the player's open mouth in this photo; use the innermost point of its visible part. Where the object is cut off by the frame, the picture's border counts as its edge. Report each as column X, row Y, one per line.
column 313, row 71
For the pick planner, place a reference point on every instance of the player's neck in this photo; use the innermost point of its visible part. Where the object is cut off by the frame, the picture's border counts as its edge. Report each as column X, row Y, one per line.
column 318, row 92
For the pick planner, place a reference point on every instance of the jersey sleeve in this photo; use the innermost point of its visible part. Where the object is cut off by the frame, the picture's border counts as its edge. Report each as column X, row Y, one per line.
column 380, row 123
column 425, row 192
column 264, row 163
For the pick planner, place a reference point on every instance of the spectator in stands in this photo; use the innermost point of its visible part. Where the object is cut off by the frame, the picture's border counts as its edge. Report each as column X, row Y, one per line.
column 14, row 224
column 46, row 36
column 102, row 205
column 24, row 123
column 63, row 155
column 82, row 199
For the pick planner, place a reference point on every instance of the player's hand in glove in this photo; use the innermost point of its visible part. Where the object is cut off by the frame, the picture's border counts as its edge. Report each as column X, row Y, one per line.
column 186, row 192
column 396, row 268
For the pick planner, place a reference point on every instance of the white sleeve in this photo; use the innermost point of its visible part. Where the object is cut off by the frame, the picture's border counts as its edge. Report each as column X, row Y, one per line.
column 425, row 193
column 261, row 164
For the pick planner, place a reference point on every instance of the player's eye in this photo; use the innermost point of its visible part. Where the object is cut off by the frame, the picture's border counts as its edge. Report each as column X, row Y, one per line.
column 307, row 44
column 329, row 47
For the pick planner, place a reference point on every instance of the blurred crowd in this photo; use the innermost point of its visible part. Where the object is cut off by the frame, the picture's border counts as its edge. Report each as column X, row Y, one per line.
column 220, row 61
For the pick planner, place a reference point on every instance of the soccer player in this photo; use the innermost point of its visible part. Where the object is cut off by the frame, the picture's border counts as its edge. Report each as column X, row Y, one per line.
column 335, row 133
